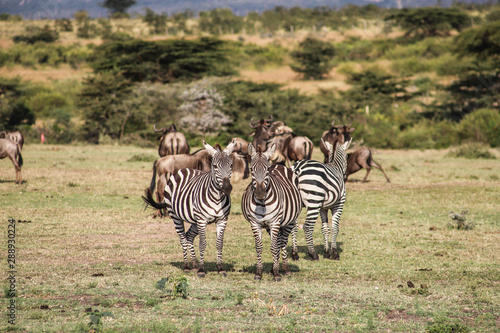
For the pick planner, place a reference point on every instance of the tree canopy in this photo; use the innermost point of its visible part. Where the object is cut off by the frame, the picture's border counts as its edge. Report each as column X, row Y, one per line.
column 117, row 6
column 429, row 21
column 314, row 58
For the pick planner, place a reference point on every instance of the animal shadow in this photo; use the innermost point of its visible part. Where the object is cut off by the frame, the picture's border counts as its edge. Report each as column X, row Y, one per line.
column 268, row 268
column 318, row 248
column 209, row 266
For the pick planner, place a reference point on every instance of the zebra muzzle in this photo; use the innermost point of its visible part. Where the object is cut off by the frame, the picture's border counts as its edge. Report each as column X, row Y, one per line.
column 260, row 191
column 226, row 186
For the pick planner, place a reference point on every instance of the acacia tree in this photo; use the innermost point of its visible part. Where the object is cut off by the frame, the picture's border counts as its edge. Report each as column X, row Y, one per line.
column 425, row 22
column 314, row 58
column 117, row 6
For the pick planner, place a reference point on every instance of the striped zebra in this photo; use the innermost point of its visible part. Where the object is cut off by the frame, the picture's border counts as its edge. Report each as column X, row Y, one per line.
column 199, row 198
column 322, row 188
column 271, row 201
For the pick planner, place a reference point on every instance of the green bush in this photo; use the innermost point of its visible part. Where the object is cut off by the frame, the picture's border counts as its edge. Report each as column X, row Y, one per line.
column 428, row 134
column 471, row 151
column 482, row 125
column 36, row 34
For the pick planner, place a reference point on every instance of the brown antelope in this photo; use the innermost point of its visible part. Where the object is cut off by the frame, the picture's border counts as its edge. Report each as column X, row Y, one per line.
column 12, row 150
column 340, row 133
column 261, row 132
column 362, row 158
column 15, row 136
column 172, row 142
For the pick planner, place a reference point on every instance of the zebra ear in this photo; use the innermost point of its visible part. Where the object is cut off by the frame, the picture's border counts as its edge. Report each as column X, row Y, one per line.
column 251, row 149
column 270, row 151
column 211, row 150
column 230, row 147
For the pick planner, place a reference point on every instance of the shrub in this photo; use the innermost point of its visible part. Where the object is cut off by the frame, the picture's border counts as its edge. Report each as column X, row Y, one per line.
column 35, row 34
column 428, row 134
column 482, row 125
column 460, row 221
column 471, row 151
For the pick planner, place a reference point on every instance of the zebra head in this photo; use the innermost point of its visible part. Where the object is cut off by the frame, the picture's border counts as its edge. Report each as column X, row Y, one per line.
column 259, row 166
column 221, row 166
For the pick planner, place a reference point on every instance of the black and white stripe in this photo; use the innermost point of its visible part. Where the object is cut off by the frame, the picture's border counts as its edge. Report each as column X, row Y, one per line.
column 271, row 201
column 200, row 198
column 322, row 188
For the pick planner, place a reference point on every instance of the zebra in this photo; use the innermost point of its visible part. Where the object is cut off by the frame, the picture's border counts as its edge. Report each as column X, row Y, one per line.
column 271, row 201
column 322, row 188
column 199, row 198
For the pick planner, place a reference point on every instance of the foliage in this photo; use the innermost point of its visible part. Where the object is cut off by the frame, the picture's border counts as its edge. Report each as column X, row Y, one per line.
column 95, row 319
column 200, row 109
column 461, row 221
column 471, row 151
column 177, row 287
column 220, row 20
column 117, row 6
column 482, row 125
column 314, row 58
column 445, row 325
column 425, row 22
column 483, row 41
column 36, row 34
column 427, row 134
column 102, row 103
column 9, row 17
column 164, row 61
column 157, row 22
column 14, row 110
column 63, row 25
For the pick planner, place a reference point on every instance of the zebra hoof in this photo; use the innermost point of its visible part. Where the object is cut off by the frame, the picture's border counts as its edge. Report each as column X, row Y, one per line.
column 295, row 256
column 257, row 277
column 313, row 256
column 326, row 255
column 277, row 278
column 223, row 273
column 201, row 274
column 335, row 255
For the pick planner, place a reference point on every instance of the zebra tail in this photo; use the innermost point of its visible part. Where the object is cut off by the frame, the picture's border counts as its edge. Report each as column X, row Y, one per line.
column 148, row 199
column 19, row 157
column 153, row 180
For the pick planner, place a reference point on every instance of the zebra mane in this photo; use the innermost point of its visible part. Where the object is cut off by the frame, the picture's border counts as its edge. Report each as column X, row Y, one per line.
column 340, row 158
column 218, row 147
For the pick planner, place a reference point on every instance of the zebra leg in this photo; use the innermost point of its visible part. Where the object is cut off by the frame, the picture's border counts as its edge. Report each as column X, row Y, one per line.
column 221, row 226
column 179, row 228
column 295, row 250
column 336, row 212
column 275, row 250
column 190, row 236
column 257, row 234
column 284, row 234
column 312, row 216
column 202, row 227
column 325, row 230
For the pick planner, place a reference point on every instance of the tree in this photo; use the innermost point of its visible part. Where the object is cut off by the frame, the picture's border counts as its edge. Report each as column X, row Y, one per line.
column 158, row 22
column 14, row 110
column 314, row 57
column 117, row 6
column 201, row 110
column 102, row 100
column 425, row 22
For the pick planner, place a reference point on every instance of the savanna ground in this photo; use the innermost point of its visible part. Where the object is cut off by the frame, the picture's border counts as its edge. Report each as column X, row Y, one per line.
column 90, row 245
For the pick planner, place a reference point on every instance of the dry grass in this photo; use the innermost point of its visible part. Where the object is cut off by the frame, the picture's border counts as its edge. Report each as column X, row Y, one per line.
column 90, row 244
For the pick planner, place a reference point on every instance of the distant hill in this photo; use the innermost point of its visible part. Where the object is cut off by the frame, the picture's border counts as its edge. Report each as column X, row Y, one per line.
column 36, row 9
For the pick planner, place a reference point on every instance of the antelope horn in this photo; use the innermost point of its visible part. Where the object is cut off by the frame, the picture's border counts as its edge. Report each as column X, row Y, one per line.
column 252, row 125
column 333, row 122
column 270, row 119
column 156, row 130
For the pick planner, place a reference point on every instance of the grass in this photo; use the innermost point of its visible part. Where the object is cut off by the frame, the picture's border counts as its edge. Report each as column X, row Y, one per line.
column 91, row 246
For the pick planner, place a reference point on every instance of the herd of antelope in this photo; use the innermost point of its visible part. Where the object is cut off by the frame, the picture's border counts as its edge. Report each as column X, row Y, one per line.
column 195, row 187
